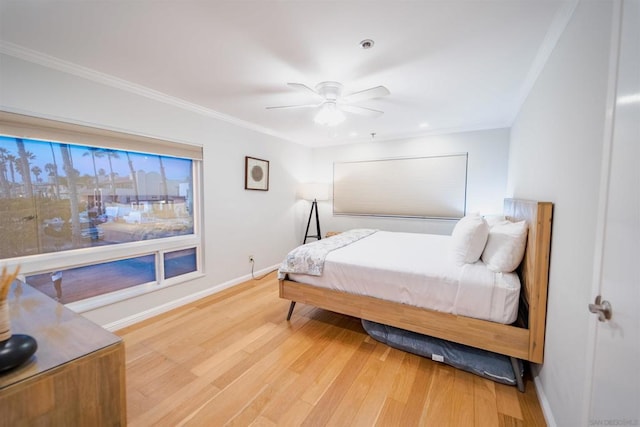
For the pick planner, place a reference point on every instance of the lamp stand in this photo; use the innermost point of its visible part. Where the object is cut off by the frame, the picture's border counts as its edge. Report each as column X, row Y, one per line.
column 314, row 206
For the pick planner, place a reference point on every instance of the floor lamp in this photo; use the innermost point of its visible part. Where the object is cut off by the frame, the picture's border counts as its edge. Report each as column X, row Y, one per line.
column 314, row 192
column 314, row 207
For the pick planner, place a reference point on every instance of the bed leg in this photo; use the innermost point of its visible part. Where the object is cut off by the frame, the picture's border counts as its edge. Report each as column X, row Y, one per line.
column 516, row 371
column 291, row 307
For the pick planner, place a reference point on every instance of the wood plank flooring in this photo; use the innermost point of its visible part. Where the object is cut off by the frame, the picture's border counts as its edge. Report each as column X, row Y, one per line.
column 232, row 359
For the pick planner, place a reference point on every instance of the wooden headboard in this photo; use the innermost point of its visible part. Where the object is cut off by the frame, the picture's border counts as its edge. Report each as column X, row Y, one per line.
column 534, row 269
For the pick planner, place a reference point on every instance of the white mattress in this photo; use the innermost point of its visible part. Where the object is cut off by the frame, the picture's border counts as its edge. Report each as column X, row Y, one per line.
column 416, row 269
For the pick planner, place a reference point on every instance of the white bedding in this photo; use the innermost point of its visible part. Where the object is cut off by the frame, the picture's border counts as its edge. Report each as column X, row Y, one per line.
column 416, row 269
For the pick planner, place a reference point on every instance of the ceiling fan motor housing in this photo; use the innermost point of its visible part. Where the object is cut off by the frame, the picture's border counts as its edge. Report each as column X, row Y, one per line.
column 329, row 90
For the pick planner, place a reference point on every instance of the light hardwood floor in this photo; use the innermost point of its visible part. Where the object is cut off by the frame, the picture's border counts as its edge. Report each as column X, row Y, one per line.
column 233, row 359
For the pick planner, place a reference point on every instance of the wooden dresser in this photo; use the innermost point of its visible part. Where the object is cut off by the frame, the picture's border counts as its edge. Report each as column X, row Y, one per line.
column 75, row 378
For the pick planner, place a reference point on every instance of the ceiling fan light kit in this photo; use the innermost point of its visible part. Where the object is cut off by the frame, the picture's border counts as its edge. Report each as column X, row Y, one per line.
column 329, row 115
column 333, row 104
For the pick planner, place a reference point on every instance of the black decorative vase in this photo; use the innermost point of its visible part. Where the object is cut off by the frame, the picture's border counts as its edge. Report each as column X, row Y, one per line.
column 16, row 350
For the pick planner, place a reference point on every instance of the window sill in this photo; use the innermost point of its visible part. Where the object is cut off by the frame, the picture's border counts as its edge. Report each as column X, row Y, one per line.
column 128, row 293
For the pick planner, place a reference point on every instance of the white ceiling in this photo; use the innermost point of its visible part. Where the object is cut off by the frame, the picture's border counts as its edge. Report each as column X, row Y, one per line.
column 456, row 65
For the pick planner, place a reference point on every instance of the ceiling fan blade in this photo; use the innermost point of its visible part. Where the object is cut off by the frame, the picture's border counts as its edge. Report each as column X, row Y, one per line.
column 374, row 92
column 363, row 111
column 294, row 106
column 304, row 88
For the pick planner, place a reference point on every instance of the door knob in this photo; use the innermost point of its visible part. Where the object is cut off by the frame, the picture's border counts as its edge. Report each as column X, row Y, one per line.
column 601, row 308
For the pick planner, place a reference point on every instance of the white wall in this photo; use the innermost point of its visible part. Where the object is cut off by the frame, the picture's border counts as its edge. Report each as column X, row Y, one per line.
column 237, row 222
column 555, row 155
column 486, row 180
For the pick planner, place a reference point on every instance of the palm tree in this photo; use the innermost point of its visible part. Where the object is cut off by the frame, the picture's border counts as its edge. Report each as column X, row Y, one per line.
column 52, row 172
column 163, row 176
column 56, row 177
column 23, row 169
column 112, row 154
column 12, row 160
column 94, row 152
column 36, row 171
column 72, row 174
column 134, row 178
column 20, row 164
column 4, row 182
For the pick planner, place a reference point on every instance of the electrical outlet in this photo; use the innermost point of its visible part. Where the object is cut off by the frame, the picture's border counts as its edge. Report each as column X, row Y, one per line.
column 250, row 258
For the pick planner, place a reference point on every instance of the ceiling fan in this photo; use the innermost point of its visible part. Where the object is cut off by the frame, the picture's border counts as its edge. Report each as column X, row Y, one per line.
column 332, row 104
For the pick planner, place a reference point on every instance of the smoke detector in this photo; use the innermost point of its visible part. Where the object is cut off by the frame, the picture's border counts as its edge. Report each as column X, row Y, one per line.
column 367, row 44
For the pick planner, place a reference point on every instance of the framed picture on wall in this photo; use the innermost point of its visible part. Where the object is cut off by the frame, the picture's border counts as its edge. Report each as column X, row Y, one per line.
column 256, row 174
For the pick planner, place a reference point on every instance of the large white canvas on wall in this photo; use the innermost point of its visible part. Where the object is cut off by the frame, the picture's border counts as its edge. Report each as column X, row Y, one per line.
column 425, row 187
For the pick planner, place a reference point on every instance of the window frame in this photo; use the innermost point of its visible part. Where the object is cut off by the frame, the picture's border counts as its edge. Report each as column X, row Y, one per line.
column 27, row 127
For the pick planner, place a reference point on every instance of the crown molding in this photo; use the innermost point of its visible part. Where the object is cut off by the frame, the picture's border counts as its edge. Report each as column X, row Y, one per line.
column 413, row 135
column 29, row 55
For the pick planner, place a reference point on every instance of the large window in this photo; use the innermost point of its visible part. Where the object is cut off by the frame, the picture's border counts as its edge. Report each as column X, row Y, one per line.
column 56, row 197
column 86, row 220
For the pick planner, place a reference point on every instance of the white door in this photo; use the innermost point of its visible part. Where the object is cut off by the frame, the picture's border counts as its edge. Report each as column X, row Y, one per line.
column 615, row 373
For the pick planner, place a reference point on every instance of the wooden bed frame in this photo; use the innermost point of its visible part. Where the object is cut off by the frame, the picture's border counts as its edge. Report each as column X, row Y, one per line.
column 522, row 341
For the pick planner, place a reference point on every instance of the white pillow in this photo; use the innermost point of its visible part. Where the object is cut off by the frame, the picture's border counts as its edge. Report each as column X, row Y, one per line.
column 468, row 239
column 505, row 246
column 494, row 219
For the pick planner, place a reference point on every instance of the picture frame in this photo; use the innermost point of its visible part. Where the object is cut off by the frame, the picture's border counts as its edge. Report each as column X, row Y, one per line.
column 256, row 174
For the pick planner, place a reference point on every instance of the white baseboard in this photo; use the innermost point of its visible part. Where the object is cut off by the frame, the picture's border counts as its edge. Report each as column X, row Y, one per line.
column 544, row 402
column 155, row 311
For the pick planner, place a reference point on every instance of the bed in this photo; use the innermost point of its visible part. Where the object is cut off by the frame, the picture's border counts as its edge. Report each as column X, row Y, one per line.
column 521, row 339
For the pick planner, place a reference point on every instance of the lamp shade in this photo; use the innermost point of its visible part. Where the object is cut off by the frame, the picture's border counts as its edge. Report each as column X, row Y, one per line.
column 314, row 191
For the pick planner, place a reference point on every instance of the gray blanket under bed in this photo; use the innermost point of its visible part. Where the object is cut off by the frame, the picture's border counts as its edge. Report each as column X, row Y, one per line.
column 484, row 363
